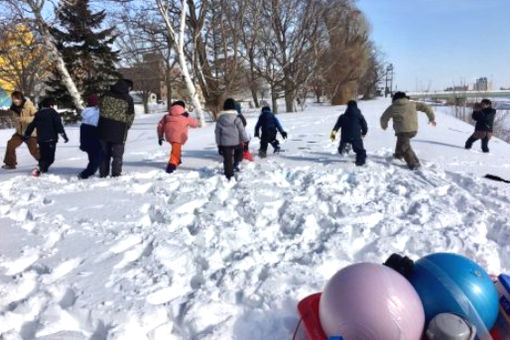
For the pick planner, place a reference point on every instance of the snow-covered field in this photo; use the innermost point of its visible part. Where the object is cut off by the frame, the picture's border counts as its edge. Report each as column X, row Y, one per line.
column 192, row 256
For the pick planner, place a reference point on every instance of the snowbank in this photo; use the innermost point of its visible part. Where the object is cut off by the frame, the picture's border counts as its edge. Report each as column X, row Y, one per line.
column 192, row 256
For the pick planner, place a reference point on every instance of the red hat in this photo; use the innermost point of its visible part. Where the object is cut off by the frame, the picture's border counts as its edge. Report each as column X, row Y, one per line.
column 92, row 100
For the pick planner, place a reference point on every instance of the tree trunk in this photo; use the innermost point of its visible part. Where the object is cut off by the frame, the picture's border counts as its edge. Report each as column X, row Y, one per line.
column 55, row 55
column 168, row 87
column 255, row 97
column 179, row 47
column 274, row 99
column 145, row 99
column 289, row 101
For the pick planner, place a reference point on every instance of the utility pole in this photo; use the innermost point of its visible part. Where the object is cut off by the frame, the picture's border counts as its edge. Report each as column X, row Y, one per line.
column 389, row 81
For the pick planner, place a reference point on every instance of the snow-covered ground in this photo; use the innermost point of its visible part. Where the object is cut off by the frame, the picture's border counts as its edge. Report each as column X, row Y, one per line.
column 192, row 256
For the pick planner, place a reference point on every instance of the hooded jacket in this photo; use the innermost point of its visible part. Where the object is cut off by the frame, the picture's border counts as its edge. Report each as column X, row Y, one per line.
column 25, row 115
column 230, row 129
column 174, row 125
column 117, row 113
column 405, row 116
column 268, row 123
column 48, row 124
column 484, row 119
column 352, row 123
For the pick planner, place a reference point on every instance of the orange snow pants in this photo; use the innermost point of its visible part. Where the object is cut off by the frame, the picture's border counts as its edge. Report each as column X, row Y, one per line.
column 175, row 156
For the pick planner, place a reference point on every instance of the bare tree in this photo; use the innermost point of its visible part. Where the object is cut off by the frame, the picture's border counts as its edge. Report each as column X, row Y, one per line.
column 292, row 40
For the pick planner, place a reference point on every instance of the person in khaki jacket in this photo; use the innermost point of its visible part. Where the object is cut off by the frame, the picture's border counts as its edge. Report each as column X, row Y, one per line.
column 405, row 123
column 24, row 110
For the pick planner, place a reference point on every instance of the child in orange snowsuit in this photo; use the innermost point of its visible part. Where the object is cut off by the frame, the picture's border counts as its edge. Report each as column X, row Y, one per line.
column 174, row 128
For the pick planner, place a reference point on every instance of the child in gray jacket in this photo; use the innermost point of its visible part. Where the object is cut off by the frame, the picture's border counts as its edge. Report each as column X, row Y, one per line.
column 230, row 136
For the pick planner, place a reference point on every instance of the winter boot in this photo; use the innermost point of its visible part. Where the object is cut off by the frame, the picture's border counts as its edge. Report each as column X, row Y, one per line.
column 236, row 167
column 262, row 154
column 36, row 172
column 170, row 168
column 8, row 167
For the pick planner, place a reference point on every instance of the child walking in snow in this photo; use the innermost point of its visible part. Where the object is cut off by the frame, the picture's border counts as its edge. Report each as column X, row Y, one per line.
column 484, row 116
column 269, row 125
column 174, row 128
column 354, row 129
column 48, row 124
column 89, row 137
column 230, row 136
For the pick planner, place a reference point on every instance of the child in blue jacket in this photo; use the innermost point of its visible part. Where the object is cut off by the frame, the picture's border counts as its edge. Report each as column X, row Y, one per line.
column 269, row 125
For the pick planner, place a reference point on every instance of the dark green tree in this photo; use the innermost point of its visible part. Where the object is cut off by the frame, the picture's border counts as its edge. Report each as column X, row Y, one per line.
column 87, row 51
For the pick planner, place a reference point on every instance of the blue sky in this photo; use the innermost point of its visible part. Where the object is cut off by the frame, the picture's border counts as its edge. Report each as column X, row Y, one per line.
column 438, row 43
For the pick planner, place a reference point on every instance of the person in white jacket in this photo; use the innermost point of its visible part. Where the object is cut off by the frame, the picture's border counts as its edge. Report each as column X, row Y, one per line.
column 89, row 137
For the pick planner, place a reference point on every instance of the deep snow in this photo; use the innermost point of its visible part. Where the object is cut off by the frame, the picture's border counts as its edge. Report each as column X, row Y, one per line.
column 192, row 256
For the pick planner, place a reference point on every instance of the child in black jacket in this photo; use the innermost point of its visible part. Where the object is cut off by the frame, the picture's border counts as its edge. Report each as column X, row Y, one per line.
column 269, row 125
column 484, row 116
column 354, row 128
column 49, row 126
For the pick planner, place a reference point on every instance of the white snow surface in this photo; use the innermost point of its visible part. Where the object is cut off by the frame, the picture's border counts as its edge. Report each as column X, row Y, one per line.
column 193, row 256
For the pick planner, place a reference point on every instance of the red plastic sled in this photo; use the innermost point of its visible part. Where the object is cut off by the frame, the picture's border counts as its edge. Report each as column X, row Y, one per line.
column 247, row 155
column 311, row 328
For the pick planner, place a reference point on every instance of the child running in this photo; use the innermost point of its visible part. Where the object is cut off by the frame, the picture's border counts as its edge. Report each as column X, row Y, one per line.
column 174, row 128
column 230, row 136
column 269, row 125
column 48, row 124
column 354, row 129
column 484, row 116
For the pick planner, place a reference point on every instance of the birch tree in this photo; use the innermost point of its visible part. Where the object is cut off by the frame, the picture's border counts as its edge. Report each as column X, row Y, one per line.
column 177, row 35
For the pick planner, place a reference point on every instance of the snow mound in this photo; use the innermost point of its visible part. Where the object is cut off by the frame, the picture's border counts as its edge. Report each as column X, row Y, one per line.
column 192, row 256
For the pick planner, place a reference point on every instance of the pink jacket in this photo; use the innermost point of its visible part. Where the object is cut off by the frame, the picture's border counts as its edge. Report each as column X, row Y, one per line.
column 174, row 125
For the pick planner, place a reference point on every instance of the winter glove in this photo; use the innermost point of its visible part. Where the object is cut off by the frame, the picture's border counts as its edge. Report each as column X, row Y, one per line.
column 66, row 140
column 25, row 138
column 220, row 151
column 333, row 136
column 257, row 135
column 284, row 134
column 186, row 114
column 160, row 141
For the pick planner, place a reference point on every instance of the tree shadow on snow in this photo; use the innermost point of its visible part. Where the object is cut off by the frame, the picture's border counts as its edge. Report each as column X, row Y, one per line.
column 317, row 160
column 437, row 143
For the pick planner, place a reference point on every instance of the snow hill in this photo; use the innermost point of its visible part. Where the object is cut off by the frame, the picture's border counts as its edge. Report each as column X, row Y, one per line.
column 192, row 256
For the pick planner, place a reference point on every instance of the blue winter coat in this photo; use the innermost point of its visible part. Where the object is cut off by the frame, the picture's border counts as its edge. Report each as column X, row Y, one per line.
column 353, row 125
column 268, row 123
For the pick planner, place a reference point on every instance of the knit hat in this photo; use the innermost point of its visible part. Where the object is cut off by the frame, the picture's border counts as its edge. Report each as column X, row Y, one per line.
column 92, row 100
column 230, row 104
column 180, row 103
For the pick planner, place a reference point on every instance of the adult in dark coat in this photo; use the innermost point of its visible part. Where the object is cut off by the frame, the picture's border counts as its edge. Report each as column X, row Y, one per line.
column 48, row 124
column 353, row 128
column 484, row 127
column 117, row 113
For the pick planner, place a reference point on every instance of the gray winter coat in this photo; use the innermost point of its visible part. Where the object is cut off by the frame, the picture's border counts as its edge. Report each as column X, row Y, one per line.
column 230, row 129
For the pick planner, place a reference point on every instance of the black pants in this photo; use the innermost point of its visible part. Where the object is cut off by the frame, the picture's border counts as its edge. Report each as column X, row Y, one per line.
column 112, row 154
column 269, row 138
column 47, row 155
column 357, row 147
column 95, row 154
column 231, row 155
column 485, row 136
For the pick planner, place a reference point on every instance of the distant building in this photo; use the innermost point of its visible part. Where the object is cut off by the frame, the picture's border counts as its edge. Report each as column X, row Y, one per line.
column 482, row 84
